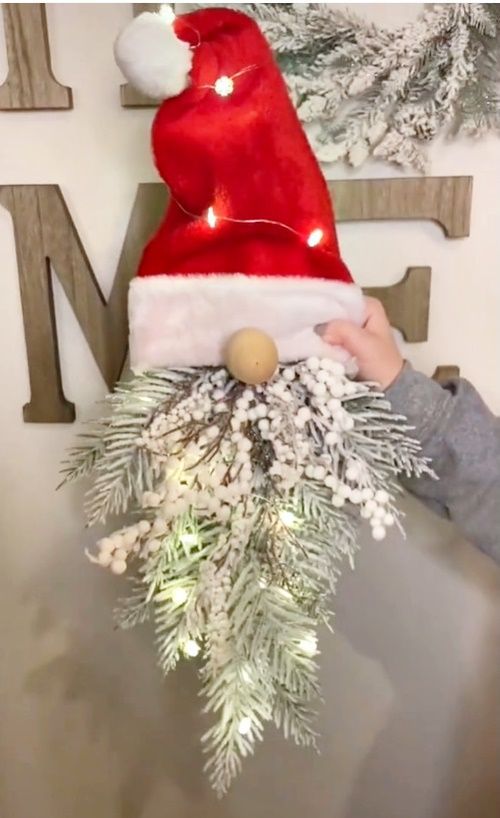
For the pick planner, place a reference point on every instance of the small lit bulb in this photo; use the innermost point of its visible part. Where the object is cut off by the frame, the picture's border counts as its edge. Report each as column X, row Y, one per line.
column 167, row 13
column 315, row 237
column 211, row 217
column 288, row 518
column 179, row 596
column 191, row 648
column 189, row 539
column 224, row 86
column 245, row 726
column 309, row 645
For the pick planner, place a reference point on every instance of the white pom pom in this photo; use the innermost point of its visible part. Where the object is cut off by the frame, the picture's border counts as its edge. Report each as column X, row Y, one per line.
column 152, row 57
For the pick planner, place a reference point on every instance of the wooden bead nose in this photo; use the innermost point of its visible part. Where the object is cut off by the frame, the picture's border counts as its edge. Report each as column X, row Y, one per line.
column 251, row 356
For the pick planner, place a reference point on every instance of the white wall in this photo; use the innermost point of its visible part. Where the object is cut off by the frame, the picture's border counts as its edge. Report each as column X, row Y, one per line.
column 88, row 727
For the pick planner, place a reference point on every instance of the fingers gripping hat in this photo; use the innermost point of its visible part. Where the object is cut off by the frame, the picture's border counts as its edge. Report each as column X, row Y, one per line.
column 249, row 236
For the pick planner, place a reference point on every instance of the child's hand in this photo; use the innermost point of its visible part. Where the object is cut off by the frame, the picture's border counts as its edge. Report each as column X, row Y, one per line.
column 372, row 345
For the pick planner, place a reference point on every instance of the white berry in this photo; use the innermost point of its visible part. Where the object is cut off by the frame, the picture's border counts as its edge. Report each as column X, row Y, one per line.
column 331, row 438
column 378, row 532
column 337, row 389
column 244, row 445
column 159, row 527
column 334, row 406
column 304, row 413
column 344, row 490
column 130, row 537
column 241, row 403
column 224, row 514
column 118, row 566
column 106, row 545
column 382, row 497
column 352, row 473
column 347, row 423
column 319, row 389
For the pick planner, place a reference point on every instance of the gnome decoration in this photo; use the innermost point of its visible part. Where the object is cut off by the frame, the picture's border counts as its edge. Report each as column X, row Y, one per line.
column 243, row 451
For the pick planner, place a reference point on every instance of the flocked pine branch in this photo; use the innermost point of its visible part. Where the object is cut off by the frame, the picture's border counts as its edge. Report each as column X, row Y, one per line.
column 363, row 90
column 110, row 453
column 246, row 503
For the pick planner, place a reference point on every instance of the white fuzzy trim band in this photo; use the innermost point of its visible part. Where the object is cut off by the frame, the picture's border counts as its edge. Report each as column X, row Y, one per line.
column 152, row 58
column 186, row 320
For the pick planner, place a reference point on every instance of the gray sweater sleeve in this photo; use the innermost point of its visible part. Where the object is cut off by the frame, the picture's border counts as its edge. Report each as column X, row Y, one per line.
column 462, row 437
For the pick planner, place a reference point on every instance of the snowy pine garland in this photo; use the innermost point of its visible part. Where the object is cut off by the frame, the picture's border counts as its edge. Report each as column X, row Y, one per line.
column 363, row 90
column 246, row 502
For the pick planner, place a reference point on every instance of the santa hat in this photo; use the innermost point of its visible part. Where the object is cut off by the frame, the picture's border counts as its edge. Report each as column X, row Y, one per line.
column 249, row 236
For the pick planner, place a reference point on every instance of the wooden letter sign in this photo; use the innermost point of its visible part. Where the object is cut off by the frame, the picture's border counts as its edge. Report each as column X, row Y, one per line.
column 30, row 84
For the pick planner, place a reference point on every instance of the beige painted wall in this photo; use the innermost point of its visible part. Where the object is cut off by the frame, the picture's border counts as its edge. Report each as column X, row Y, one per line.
column 88, row 729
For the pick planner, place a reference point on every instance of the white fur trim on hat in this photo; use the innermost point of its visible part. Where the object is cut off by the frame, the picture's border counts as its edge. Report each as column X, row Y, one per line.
column 178, row 320
column 152, row 58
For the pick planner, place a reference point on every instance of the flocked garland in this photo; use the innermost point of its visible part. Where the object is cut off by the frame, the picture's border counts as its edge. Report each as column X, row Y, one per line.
column 363, row 90
column 245, row 503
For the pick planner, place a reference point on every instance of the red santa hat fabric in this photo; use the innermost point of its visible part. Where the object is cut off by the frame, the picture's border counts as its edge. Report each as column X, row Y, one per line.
column 249, row 237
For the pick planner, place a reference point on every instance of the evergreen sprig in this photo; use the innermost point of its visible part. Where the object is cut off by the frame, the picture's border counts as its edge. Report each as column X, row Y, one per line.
column 245, row 526
column 363, row 90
